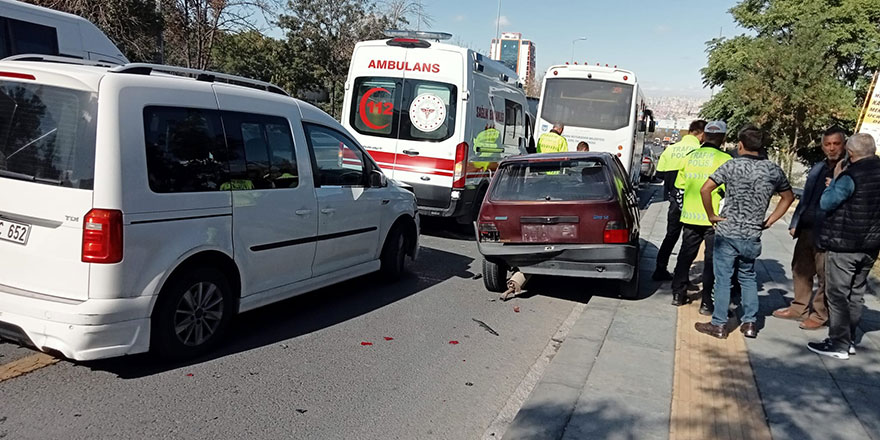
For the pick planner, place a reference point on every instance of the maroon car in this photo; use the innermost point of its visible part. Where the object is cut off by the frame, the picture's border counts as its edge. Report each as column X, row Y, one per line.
column 568, row 214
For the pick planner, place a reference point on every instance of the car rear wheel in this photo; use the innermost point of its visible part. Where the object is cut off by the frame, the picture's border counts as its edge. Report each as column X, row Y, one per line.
column 192, row 314
column 495, row 276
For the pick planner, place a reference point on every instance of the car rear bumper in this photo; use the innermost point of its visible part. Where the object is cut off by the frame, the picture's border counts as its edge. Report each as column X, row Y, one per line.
column 610, row 261
column 80, row 330
column 459, row 203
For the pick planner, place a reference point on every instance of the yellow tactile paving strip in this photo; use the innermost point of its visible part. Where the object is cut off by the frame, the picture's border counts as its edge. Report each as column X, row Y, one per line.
column 714, row 391
column 25, row 365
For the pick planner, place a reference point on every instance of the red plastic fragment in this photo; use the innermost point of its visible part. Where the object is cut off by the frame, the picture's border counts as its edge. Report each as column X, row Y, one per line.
column 388, row 339
column 366, row 343
column 516, row 309
column 453, row 342
column 189, row 375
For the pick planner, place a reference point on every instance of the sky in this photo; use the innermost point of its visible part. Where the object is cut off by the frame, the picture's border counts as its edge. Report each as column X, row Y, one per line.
column 662, row 41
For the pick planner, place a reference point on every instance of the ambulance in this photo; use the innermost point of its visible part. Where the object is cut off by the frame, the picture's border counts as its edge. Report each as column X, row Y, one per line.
column 435, row 116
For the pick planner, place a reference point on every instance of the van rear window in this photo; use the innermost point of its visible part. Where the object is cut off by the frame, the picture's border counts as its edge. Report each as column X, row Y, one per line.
column 47, row 134
column 408, row 109
column 554, row 180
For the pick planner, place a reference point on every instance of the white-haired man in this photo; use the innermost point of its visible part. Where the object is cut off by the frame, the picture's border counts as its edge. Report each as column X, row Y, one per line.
column 851, row 236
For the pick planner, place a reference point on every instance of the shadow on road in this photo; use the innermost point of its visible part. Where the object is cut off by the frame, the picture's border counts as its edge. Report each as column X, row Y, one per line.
column 307, row 313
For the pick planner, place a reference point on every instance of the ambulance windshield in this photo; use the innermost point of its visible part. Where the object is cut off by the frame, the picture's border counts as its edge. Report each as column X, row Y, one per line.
column 404, row 109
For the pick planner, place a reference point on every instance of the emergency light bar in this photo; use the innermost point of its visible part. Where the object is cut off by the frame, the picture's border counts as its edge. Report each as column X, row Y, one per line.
column 399, row 33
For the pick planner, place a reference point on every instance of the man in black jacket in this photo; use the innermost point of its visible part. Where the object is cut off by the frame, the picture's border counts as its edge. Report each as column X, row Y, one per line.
column 851, row 236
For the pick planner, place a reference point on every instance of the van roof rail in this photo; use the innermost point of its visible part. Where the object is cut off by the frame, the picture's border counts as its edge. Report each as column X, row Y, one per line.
column 61, row 60
column 199, row 75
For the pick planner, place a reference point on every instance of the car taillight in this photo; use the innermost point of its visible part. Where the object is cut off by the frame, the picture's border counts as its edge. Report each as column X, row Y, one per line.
column 616, row 232
column 459, row 173
column 102, row 236
column 488, row 232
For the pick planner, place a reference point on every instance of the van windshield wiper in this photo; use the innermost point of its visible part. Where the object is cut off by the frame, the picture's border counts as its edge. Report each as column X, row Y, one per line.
column 32, row 142
column 29, row 178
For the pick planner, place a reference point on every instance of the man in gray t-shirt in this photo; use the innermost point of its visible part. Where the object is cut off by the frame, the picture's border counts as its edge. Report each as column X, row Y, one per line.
column 750, row 180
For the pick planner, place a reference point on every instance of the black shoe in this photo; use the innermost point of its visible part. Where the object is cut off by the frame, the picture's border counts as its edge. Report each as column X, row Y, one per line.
column 706, row 309
column 718, row 331
column 826, row 348
column 680, row 299
column 661, row 275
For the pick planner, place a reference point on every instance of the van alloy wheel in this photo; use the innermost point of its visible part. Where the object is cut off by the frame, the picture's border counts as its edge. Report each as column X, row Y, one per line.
column 199, row 313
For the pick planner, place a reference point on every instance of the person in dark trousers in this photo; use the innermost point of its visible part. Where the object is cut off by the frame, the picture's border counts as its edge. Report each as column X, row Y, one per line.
column 850, row 236
column 750, row 180
column 696, row 227
column 808, row 261
column 671, row 160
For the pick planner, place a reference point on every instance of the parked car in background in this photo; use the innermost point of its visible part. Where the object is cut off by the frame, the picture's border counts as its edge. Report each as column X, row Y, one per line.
column 649, row 163
column 144, row 206
column 31, row 29
column 567, row 214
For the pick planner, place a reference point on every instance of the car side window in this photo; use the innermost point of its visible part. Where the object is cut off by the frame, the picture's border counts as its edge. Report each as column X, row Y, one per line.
column 263, row 153
column 338, row 160
column 185, row 150
column 31, row 38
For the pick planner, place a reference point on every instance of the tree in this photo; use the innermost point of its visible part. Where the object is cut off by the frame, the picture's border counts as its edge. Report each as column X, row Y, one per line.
column 322, row 34
column 133, row 25
column 801, row 71
column 407, row 12
column 253, row 55
column 193, row 27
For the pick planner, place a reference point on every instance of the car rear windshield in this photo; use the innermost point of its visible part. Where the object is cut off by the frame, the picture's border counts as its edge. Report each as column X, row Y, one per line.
column 403, row 109
column 553, row 180
column 47, row 134
column 587, row 103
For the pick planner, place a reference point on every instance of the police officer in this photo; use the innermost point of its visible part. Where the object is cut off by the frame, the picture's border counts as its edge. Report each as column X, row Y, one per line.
column 552, row 141
column 696, row 227
column 670, row 162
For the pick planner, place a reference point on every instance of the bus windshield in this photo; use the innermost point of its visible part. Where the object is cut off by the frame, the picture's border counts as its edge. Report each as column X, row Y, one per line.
column 587, row 103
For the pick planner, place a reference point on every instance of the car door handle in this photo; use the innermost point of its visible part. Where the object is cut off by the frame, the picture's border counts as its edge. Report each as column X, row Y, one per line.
column 303, row 211
column 411, row 152
column 328, row 211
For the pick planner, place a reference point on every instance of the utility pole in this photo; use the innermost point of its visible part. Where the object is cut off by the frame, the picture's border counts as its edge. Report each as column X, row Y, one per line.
column 160, row 40
column 498, row 32
column 572, row 46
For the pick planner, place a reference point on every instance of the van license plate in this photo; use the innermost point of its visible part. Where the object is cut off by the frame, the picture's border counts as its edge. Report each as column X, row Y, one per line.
column 14, row 232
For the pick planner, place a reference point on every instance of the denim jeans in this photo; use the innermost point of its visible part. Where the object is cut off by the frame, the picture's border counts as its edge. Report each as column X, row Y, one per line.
column 733, row 254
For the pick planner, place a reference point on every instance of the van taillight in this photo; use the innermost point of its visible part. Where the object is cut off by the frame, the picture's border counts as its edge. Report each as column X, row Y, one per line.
column 459, row 173
column 102, row 236
column 616, row 232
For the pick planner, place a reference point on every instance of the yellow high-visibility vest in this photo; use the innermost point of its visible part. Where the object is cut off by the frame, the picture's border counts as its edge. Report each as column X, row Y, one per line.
column 673, row 156
column 551, row 142
column 695, row 171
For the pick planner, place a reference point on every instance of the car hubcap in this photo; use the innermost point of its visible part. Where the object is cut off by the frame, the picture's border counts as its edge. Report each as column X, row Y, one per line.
column 198, row 313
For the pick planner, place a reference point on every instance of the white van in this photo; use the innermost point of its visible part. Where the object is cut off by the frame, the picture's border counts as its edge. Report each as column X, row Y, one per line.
column 26, row 28
column 436, row 116
column 143, row 209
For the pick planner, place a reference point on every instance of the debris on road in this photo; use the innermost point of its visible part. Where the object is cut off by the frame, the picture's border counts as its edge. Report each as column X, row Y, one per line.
column 486, row 327
column 387, row 338
column 514, row 285
column 453, row 342
column 516, row 309
column 477, row 276
column 470, row 384
column 189, row 375
column 301, row 411
column 366, row 343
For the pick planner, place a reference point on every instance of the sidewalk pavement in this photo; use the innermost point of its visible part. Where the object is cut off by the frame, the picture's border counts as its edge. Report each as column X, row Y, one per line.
column 638, row 369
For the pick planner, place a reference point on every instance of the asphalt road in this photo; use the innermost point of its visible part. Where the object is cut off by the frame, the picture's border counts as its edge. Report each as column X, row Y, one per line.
column 299, row 369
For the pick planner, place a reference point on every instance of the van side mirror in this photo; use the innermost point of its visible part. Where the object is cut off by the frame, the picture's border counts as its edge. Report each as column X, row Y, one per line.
column 378, row 179
column 652, row 126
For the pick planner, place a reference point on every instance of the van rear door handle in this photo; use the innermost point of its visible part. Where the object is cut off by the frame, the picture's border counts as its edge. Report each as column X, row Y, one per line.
column 303, row 211
column 328, row 211
column 411, row 152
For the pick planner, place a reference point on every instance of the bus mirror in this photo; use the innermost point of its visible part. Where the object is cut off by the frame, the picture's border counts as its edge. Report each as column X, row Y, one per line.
column 652, row 126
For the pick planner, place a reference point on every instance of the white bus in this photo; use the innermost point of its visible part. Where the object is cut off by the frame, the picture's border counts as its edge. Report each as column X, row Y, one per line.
column 603, row 106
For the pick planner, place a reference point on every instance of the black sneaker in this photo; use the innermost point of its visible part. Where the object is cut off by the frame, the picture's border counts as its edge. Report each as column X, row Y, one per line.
column 706, row 309
column 661, row 275
column 826, row 348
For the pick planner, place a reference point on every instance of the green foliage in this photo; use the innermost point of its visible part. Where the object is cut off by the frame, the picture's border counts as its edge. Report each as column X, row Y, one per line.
column 805, row 68
column 253, row 55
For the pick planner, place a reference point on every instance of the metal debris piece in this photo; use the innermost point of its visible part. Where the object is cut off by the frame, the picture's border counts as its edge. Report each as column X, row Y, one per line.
column 486, row 326
column 515, row 285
